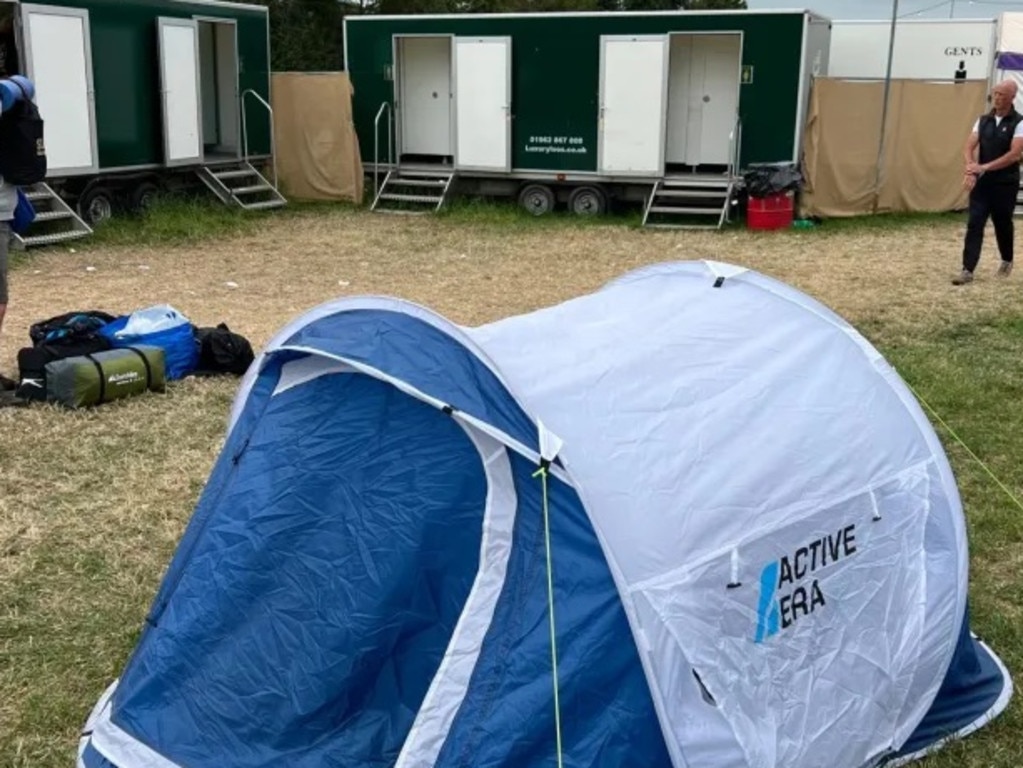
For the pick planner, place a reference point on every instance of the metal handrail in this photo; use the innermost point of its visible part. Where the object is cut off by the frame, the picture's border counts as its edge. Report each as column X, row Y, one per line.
column 245, row 130
column 384, row 107
column 736, row 141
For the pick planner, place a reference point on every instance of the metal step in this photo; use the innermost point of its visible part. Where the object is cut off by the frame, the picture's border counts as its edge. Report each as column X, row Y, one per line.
column 56, row 237
column 715, row 194
column 667, row 225
column 260, row 205
column 238, row 174
column 675, row 183
column 55, row 221
column 668, row 193
column 426, row 173
column 679, row 209
column 251, row 189
column 52, row 215
column 408, row 181
column 397, row 179
column 411, row 198
column 215, row 180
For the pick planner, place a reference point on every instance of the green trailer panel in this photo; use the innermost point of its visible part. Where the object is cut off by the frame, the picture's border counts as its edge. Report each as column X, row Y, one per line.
column 126, row 74
column 556, row 75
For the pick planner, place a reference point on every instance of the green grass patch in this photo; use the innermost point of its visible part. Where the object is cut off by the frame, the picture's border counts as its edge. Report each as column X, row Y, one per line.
column 885, row 222
column 971, row 376
column 171, row 219
column 186, row 219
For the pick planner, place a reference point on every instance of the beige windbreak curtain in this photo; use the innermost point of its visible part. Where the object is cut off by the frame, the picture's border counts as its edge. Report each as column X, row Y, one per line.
column 922, row 170
column 317, row 149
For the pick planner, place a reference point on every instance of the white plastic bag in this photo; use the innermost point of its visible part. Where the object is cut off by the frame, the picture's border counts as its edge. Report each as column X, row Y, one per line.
column 160, row 317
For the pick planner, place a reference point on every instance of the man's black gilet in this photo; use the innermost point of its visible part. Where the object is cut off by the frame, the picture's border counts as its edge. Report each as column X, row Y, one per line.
column 995, row 141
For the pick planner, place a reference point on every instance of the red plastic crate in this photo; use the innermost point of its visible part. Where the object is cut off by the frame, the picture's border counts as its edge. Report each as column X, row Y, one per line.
column 771, row 212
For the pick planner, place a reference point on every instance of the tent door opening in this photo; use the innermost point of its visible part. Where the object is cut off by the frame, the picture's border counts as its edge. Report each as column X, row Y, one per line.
column 424, row 98
column 56, row 51
column 218, row 83
column 703, row 100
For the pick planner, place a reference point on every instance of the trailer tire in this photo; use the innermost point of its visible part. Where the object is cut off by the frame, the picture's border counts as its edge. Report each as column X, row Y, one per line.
column 587, row 201
column 96, row 205
column 538, row 199
column 143, row 196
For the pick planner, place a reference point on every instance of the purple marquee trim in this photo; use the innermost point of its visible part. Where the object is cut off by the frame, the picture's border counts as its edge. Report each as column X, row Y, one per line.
column 1010, row 61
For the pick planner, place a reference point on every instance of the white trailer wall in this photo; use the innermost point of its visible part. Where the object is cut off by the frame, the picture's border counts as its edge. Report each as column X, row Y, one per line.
column 932, row 49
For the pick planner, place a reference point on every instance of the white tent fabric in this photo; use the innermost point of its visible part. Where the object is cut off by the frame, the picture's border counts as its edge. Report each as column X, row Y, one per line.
column 761, row 441
column 1008, row 59
column 1010, row 32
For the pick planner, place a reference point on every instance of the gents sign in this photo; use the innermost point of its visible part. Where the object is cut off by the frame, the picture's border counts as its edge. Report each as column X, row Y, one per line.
column 958, row 53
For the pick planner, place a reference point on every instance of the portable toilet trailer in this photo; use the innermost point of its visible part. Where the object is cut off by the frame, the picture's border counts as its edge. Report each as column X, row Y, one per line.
column 581, row 108
column 139, row 96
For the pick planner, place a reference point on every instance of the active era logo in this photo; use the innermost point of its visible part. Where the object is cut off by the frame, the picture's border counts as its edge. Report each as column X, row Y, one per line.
column 784, row 593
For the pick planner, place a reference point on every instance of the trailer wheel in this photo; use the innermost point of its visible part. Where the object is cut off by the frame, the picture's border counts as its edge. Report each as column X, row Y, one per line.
column 538, row 199
column 96, row 205
column 587, row 201
column 143, row 197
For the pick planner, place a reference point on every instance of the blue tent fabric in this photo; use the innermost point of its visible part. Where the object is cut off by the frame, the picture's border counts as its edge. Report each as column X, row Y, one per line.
column 313, row 630
column 608, row 716
column 973, row 684
column 419, row 354
column 364, row 579
column 94, row 759
column 224, row 470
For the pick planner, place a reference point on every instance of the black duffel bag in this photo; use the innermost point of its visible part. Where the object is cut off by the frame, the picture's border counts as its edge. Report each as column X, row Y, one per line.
column 68, row 335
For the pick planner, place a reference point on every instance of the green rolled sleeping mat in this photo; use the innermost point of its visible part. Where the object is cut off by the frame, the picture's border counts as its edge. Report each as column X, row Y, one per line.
column 102, row 377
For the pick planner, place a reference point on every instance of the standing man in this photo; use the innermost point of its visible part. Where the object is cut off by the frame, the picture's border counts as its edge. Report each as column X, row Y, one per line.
column 993, row 179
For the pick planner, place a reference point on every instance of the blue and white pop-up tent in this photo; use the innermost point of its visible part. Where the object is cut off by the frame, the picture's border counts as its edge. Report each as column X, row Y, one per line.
column 757, row 551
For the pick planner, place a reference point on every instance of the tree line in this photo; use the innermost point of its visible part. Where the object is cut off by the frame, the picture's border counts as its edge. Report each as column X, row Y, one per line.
column 305, row 35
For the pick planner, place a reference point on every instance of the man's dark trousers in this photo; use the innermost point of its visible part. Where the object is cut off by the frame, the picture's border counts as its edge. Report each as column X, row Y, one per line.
column 995, row 199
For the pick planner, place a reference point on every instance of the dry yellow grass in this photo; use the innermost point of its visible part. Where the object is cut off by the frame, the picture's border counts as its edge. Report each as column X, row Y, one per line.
column 476, row 273
column 92, row 503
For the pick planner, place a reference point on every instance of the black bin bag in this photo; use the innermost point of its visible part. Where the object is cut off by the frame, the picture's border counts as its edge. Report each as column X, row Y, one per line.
column 768, row 179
